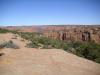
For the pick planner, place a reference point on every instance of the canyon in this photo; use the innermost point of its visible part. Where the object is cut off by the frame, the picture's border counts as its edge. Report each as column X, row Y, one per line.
column 64, row 32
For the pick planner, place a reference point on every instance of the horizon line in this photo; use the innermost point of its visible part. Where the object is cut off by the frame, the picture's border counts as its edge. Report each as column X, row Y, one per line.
column 48, row 24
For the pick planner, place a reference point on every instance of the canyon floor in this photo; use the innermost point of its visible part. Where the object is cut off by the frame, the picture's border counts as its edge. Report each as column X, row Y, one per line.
column 32, row 61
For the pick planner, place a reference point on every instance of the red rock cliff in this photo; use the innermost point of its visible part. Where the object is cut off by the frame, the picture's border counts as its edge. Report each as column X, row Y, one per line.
column 73, row 33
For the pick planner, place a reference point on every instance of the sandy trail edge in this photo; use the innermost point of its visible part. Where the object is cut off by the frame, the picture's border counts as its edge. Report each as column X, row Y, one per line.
column 27, row 61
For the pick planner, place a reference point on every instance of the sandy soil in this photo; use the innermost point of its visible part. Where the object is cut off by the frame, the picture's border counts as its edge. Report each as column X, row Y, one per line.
column 13, row 37
column 31, row 61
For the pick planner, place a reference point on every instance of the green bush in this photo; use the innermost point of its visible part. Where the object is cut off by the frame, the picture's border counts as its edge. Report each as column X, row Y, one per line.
column 44, row 40
column 65, row 46
column 89, row 50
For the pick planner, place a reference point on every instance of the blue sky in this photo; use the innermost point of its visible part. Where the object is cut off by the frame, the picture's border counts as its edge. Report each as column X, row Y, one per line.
column 40, row 12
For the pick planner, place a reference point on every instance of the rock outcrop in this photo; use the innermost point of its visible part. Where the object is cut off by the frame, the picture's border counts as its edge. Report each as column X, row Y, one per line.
column 73, row 33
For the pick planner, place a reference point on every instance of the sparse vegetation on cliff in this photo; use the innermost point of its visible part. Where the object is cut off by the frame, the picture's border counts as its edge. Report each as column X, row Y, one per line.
column 89, row 50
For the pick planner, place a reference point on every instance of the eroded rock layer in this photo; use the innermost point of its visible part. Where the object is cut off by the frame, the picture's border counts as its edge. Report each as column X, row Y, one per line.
column 73, row 33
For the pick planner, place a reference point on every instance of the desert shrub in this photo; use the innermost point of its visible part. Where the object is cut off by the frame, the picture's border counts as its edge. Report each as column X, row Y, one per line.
column 97, row 60
column 47, row 47
column 2, row 45
column 89, row 50
column 44, row 40
column 28, row 36
column 32, row 45
column 65, row 46
column 75, row 44
column 9, row 44
column 56, row 44
column 51, row 43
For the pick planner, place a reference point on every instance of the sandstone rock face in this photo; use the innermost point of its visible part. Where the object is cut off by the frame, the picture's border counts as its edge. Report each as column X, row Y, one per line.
column 73, row 33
